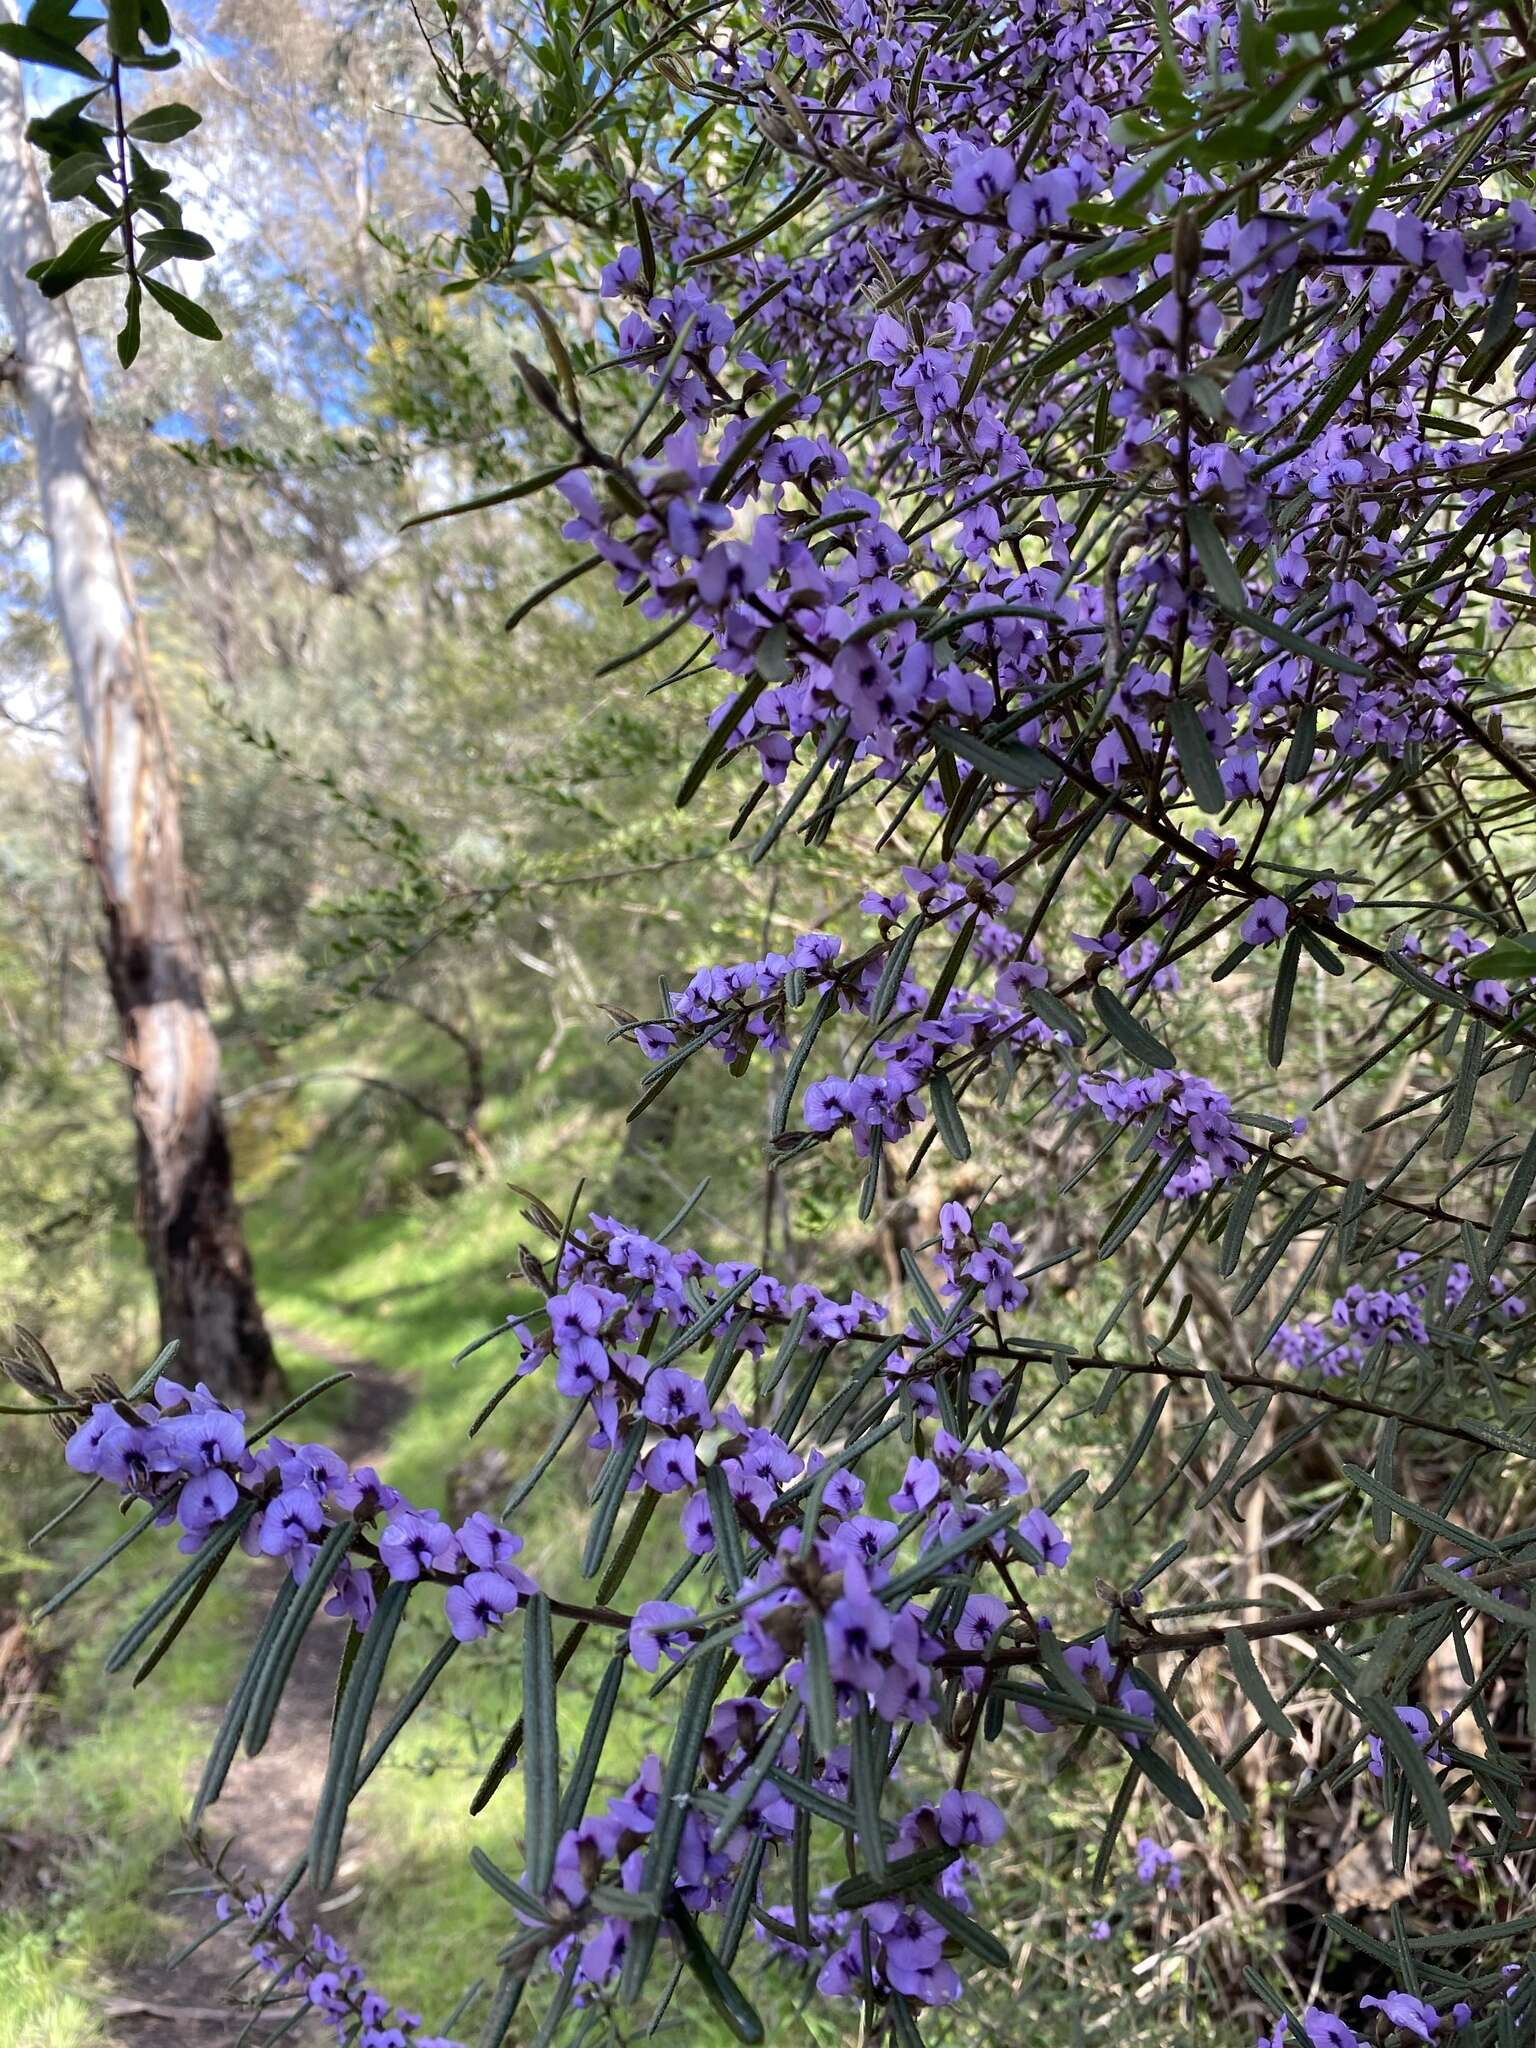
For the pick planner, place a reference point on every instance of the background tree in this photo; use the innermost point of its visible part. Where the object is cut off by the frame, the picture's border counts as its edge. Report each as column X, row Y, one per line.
column 188, row 1214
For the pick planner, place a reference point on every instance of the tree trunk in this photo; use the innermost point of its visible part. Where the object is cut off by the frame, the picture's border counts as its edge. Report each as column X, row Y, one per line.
column 187, row 1210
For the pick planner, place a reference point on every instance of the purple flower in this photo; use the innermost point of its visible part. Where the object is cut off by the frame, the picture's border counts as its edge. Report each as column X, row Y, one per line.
column 672, row 1466
column 289, row 1521
column 481, row 1602
column 82, row 1453
column 486, row 1544
column 1266, row 921
column 206, row 1500
column 414, row 1542
column 1407, row 2013
column 979, row 177
column 1153, row 1861
column 966, row 1820
column 203, row 1439
column 655, row 1632
column 1038, row 1529
column 674, row 1400
column 919, row 1489
column 857, row 1628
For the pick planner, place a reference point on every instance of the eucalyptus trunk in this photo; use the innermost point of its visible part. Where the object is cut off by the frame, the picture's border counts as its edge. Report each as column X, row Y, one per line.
column 187, row 1211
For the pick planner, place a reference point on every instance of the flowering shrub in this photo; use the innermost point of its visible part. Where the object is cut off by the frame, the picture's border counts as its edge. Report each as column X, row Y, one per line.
column 1102, row 469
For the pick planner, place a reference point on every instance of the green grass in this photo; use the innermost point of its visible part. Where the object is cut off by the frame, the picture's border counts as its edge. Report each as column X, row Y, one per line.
column 42, row 1994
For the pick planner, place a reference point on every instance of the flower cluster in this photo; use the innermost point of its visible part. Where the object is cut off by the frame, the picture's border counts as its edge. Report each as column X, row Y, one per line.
column 1364, row 1321
column 1190, row 1120
column 1406, row 2016
column 322, row 1979
column 826, row 1574
column 188, row 1455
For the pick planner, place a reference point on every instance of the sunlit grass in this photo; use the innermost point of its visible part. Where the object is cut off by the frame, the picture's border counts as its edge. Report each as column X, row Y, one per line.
column 42, row 1984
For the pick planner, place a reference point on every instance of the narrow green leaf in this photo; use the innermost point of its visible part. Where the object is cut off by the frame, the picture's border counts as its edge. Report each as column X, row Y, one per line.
column 897, row 1877
column 1054, row 1014
column 1123, row 1025
column 1160, row 1774
column 946, row 1115
column 1290, row 1228
column 1458, row 1116
column 1410, row 1760
column 968, row 1932
column 1281, row 998
column 1225, row 584
column 1137, row 1450
column 194, row 1579
column 516, row 1895
column 867, row 1757
column 509, row 1995
column 274, row 1675
column 935, row 1562
column 1420, row 1516
column 1015, row 767
column 672, row 1810
column 726, row 1527
column 611, row 1498
column 1298, row 643
column 84, row 1577
column 506, row 494
column 1139, row 1199
column 895, row 967
column 227, row 1741
column 1245, row 1669
column 573, row 1800
column 1511, row 1205
column 820, row 1701
column 905, row 2031
column 778, row 1122
column 350, row 1733
column 1196, row 756
column 1240, row 1215
column 1204, row 1764
column 1302, row 750
column 719, row 1986
column 281, row 1415
column 130, row 333
column 541, row 1746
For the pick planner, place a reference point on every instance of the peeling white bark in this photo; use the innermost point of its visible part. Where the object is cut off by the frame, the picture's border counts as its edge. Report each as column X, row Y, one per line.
column 187, row 1211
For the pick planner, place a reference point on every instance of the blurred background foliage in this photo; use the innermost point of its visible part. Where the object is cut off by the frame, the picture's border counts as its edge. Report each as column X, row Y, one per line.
column 426, row 854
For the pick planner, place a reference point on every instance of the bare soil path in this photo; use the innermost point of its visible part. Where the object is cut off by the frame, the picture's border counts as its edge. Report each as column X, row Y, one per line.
column 269, row 1800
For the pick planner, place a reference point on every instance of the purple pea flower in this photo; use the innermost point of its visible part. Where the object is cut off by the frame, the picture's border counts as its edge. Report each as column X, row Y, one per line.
column 655, row 1631
column 1038, row 1529
column 486, row 1544
column 481, row 1602
column 966, row 1820
column 205, row 1501
column 289, row 1521
column 1266, row 922
column 858, row 1628
column 416, row 1542
column 1407, row 2013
